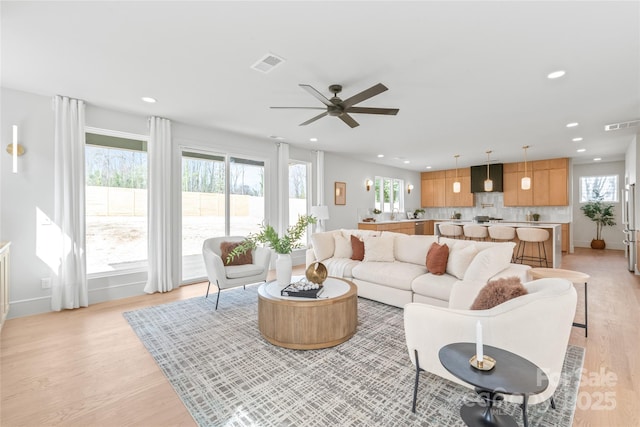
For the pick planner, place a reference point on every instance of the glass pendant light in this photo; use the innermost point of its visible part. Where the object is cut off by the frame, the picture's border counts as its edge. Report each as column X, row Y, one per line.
column 525, row 183
column 488, row 183
column 456, row 183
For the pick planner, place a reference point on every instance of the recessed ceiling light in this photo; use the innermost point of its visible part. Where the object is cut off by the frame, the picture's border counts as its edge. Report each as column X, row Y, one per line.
column 428, row 167
column 577, row 139
column 406, row 162
column 279, row 138
column 313, row 139
column 148, row 99
column 572, row 125
column 597, row 159
column 556, row 74
column 380, row 156
column 581, row 150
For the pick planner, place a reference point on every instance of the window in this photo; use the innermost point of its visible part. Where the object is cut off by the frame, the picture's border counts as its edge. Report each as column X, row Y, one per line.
column 388, row 194
column 221, row 196
column 603, row 188
column 116, row 203
column 299, row 201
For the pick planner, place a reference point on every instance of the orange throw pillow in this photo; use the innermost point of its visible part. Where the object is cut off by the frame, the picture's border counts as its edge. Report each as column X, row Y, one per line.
column 357, row 247
column 437, row 258
column 498, row 291
column 227, row 247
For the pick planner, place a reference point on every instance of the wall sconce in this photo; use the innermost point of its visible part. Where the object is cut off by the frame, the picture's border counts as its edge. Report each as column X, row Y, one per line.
column 456, row 183
column 368, row 183
column 15, row 149
column 488, row 183
column 525, row 183
column 409, row 188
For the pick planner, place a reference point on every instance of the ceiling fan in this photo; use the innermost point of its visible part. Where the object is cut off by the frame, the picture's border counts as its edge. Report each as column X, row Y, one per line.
column 336, row 107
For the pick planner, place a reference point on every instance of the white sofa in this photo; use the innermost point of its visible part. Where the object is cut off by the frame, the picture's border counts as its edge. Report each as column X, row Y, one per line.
column 394, row 268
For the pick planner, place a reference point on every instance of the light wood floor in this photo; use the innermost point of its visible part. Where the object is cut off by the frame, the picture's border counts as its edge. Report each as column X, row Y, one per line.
column 87, row 367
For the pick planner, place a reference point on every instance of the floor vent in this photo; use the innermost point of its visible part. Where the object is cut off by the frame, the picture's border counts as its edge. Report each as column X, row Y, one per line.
column 623, row 125
column 267, row 63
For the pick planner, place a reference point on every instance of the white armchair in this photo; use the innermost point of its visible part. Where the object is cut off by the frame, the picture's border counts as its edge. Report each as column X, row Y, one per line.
column 231, row 276
column 535, row 326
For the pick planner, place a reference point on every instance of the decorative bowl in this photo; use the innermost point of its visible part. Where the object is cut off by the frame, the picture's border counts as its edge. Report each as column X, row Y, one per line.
column 316, row 273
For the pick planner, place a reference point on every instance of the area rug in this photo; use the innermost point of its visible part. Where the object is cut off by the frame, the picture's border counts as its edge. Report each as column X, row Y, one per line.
column 228, row 375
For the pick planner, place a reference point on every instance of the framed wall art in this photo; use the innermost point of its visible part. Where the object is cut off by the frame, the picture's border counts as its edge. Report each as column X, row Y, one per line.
column 340, row 193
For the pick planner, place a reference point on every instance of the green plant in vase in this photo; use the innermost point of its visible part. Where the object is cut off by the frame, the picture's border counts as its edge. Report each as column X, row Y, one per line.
column 602, row 214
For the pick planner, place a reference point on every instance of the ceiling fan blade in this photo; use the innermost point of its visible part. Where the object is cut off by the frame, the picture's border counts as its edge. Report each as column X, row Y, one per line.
column 348, row 120
column 364, row 95
column 299, row 108
column 367, row 110
column 319, row 116
column 317, row 95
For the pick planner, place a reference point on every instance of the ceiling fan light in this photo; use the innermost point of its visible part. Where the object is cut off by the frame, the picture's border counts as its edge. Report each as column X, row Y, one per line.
column 525, row 183
column 456, row 187
column 488, row 185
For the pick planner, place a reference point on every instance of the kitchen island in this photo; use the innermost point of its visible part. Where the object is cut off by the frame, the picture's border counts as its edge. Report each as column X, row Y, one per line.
column 406, row 226
column 553, row 246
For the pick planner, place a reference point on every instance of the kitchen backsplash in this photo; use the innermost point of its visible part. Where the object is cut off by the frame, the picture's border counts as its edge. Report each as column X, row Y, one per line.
column 492, row 205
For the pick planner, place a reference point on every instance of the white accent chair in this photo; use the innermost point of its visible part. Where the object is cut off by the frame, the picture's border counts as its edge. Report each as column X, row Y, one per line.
column 231, row 276
column 535, row 326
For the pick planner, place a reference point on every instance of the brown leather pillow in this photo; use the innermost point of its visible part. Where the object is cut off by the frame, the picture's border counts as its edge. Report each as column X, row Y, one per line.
column 226, row 247
column 357, row 247
column 437, row 258
column 498, row 291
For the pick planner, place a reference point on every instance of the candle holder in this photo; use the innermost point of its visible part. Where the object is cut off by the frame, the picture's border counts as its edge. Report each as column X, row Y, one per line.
column 487, row 363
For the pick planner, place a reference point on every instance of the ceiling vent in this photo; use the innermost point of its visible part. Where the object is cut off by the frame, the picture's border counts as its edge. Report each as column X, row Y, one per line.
column 623, row 125
column 267, row 63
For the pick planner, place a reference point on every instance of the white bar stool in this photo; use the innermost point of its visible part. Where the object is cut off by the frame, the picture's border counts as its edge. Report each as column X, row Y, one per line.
column 532, row 235
column 450, row 230
column 475, row 232
column 499, row 233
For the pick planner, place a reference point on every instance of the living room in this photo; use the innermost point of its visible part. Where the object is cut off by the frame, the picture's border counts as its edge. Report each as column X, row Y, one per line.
column 28, row 195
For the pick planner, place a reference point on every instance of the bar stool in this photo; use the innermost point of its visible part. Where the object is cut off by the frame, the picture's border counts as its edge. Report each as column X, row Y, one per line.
column 450, row 230
column 475, row 232
column 499, row 233
column 531, row 235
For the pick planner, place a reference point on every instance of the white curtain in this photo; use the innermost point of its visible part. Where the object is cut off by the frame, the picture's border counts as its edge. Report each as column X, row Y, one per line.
column 283, row 187
column 69, row 284
column 162, row 273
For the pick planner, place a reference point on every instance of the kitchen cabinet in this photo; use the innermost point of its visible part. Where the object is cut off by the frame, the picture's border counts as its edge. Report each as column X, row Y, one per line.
column 549, row 183
column 433, row 189
column 406, row 227
column 437, row 189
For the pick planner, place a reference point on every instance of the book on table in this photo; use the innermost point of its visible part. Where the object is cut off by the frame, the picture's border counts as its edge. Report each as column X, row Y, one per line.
column 302, row 289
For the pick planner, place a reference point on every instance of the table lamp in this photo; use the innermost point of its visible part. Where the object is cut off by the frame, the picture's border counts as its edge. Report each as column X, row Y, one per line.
column 320, row 213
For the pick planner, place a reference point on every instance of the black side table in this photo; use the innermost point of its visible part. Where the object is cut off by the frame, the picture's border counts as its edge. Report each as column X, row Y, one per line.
column 512, row 374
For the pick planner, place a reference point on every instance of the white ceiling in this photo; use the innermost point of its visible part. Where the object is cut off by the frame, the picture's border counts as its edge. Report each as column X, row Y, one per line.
column 467, row 76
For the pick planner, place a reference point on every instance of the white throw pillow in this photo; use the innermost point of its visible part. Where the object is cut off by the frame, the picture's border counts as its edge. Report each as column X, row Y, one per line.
column 343, row 246
column 490, row 262
column 459, row 260
column 323, row 245
column 378, row 249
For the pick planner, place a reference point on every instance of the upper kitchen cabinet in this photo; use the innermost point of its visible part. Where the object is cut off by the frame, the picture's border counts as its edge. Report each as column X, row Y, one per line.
column 549, row 183
column 437, row 189
column 433, row 189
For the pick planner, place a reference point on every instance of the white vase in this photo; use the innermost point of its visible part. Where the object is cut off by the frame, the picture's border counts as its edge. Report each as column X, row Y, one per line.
column 283, row 269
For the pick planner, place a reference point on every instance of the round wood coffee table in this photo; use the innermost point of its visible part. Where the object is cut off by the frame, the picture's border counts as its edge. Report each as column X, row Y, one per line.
column 305, row 323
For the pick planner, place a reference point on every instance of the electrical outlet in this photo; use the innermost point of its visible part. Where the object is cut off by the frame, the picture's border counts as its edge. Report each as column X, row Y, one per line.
column 46, row 283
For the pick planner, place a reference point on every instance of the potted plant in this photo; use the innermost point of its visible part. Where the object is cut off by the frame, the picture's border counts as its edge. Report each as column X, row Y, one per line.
column 377, row 213
column 418, row 213
column 536, row 216
column 602, row 214
column 282, row 245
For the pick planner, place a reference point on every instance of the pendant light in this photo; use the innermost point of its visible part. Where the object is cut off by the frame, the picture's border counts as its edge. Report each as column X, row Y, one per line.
column 456, row 183
column 525, row 183
column 488, row 183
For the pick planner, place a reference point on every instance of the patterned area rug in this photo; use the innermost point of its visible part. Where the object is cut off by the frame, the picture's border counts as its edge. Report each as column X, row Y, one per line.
column 228, row 375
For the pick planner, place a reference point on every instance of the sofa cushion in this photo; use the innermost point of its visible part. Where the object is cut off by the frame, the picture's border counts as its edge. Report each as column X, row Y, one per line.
column 378, row 249
column 460, row 258
column 498, row 291
column 490, row 261
column 433, row 286
column 323, row 245
column 437, row 258
column 227, row 247
column 393, row 274
column 343, row 246
column 357, row 248
column 246, row 270
column 412, row 249
column 340, row 267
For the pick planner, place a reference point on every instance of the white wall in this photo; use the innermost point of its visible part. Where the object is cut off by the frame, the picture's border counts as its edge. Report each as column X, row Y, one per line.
column 583, row 229
column 354, row 174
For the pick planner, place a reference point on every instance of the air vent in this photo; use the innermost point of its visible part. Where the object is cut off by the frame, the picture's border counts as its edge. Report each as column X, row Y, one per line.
column 267, row 63
column 623, row 125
